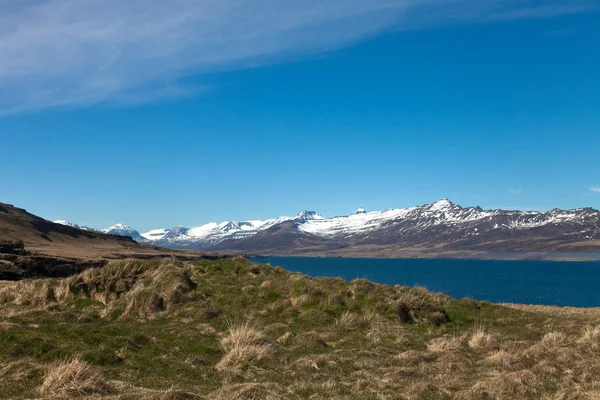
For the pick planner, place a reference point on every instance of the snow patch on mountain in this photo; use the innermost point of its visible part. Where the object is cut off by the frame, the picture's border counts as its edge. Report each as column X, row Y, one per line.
column 72, row 225
column 352, row 223
column 214, row 232
column 441, row 205
column 155, row 234
column 124, row 230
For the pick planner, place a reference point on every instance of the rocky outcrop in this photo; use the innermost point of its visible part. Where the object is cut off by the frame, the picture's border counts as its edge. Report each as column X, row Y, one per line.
column 16, row 263
column 12, row 247
column 14, row 267
column 9, row 271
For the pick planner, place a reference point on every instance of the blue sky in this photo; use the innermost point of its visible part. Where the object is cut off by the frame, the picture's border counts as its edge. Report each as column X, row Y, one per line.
column 199, row 112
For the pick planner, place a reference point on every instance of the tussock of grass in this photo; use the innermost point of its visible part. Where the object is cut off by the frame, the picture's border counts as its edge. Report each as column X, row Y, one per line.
column 590, row 336
column 74, row 378
column 242, row 357
column 369, row 315
column 446, row 343
column 139, row 290
column 480, row 339
column 244, row 345
column 30, row 293
column 349, row 321
column 501, row 358
column 554, row 339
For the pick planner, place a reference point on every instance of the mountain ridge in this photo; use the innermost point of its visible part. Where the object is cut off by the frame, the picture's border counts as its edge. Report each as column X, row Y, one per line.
column 441, row 225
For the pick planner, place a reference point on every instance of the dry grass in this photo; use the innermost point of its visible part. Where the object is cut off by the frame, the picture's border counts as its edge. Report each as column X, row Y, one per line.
column 30, row 293
column 446, row 343
column 480, row 339
column 245, row 346
column 285, row 338
column 300, row 300
column 266, row 285
column 19, row 370
column 508, row 385
column 74, row 378
column 370, row 315
column 590, row 313
column 501, row 358
column 144, row 290
column 247, row 391
column 349, row 321
column 412, row 357
column 554, row 339
column 377, row 332
column 590, row 336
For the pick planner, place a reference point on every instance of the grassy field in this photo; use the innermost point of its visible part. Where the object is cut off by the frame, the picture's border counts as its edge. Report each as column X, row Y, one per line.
column 232, row 329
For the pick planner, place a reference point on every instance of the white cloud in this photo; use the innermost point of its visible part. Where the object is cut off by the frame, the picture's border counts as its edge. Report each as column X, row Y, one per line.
column 515, row 192
column 595, row 189
column 74, row 53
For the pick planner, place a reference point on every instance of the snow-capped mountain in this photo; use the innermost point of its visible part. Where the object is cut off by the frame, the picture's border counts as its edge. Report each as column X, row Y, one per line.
column 67, row 223
column 155, row 234
column 471, row 221
column 441, row 224
column 124, row 230
column 214, row 233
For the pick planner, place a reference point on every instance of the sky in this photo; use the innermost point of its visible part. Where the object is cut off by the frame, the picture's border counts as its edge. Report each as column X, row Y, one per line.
column 156, row 114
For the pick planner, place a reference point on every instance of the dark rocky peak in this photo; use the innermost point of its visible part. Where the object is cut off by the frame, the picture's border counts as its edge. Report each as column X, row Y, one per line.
column 230, row 226
column 175, row 232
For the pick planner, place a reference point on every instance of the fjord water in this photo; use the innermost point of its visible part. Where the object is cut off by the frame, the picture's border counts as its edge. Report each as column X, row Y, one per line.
column 528, row 282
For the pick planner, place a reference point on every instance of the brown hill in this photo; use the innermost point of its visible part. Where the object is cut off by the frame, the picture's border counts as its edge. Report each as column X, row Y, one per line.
column 31, row 246
column 45, row 237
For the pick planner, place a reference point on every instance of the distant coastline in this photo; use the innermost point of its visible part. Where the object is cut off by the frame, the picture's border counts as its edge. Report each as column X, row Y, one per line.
column 555, row 257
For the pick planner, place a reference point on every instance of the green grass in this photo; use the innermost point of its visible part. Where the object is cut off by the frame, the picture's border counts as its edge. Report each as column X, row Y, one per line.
column 156, row 325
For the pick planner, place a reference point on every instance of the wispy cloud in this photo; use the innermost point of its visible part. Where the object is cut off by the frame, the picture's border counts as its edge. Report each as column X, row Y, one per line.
column 595, row 189
column 542, row 11
column 515, row 192
column 73, row 53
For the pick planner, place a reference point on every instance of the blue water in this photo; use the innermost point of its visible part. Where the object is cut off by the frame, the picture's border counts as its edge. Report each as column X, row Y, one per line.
column 527, row 282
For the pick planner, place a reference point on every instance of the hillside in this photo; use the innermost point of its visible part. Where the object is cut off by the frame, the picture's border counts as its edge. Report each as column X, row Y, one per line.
column 31, row 246
column 235, row 330
column 51, row 238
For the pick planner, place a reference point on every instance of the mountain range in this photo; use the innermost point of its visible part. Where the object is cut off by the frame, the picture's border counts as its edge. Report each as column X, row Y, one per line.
column 439, row 228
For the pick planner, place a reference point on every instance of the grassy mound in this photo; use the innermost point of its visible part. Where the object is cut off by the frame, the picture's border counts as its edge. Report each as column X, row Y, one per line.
column 232, row 329
column 74, row 378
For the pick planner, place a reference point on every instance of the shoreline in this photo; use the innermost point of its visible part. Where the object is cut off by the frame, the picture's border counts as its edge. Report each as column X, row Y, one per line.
column 554, row 310
column 561, row 257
